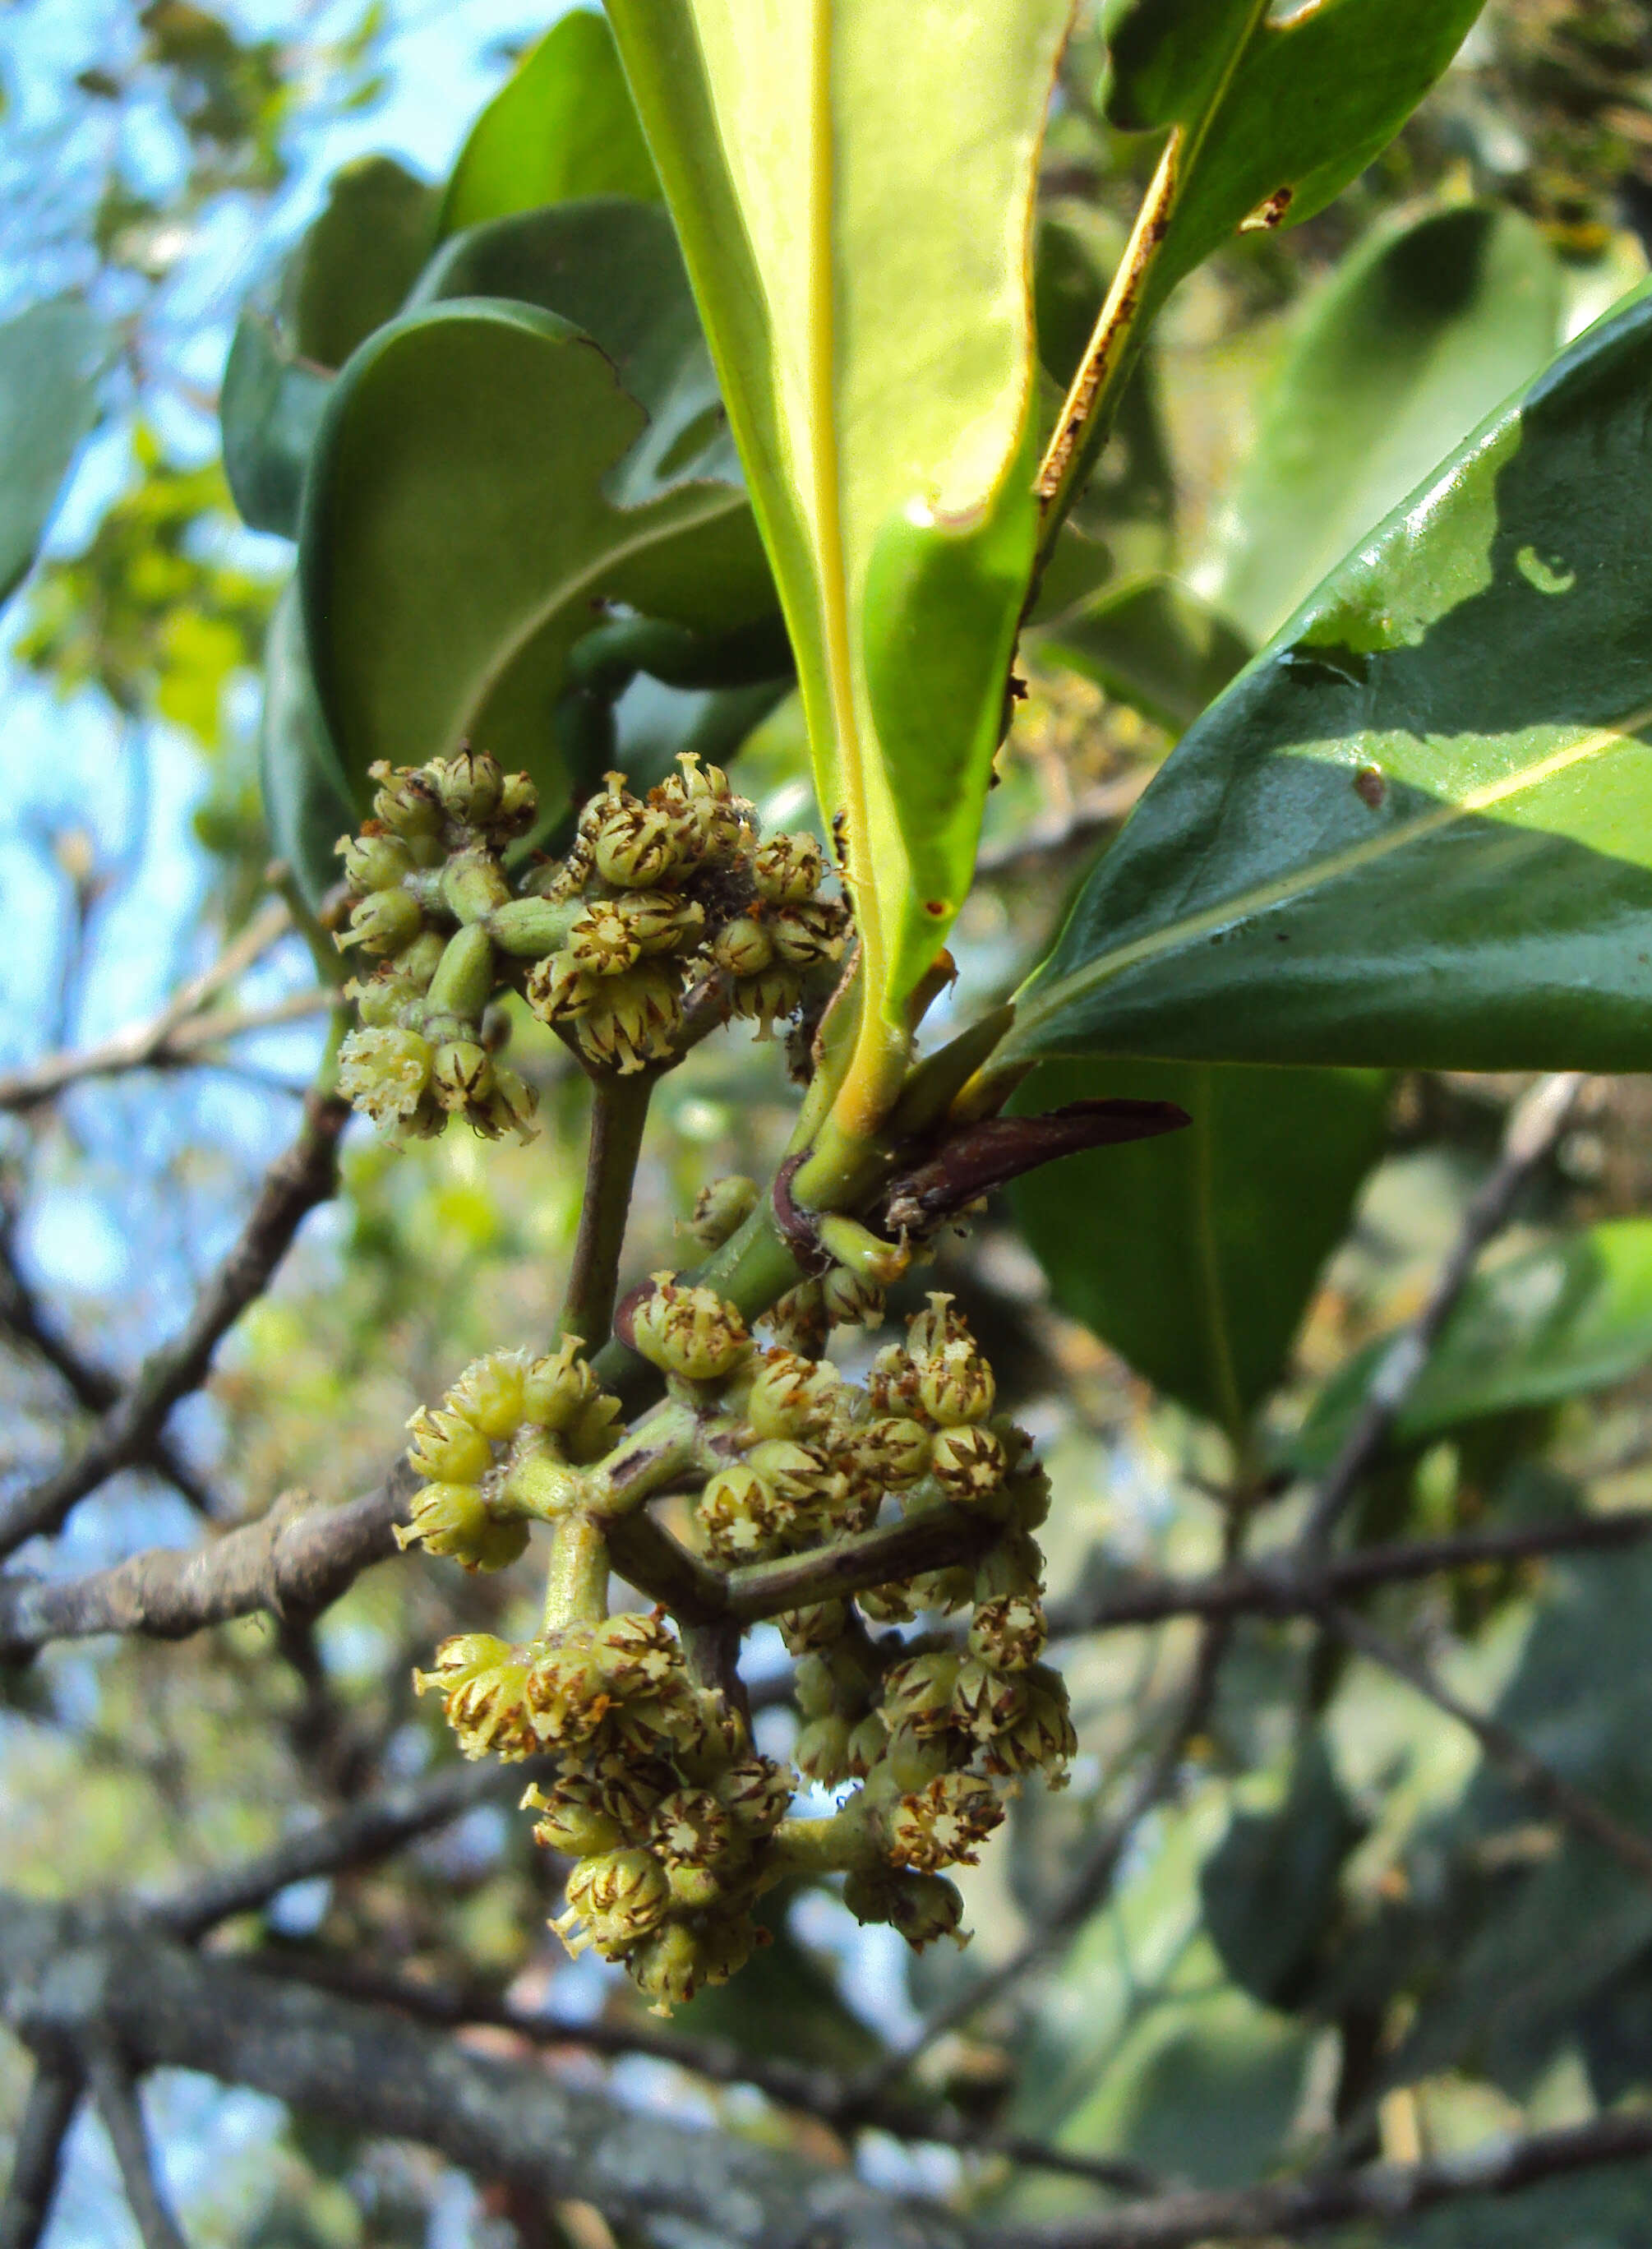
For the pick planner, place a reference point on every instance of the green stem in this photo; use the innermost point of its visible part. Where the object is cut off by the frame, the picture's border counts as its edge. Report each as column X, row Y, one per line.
column 821, row 1846
column 576, row 1579
column 619, row 1113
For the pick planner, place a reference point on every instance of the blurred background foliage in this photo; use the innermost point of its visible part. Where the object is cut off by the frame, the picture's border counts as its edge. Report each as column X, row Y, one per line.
column 1340, row 1929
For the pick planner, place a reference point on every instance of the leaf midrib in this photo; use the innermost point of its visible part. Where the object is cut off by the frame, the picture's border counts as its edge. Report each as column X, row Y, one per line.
column 1063, row 995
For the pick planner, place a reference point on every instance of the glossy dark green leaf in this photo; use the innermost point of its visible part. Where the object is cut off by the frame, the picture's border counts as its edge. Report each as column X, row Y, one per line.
column 1425, row 329
column 1151, row 642
column 1572, row 1316
column 307, row 805
column 450, row 559
column 611, row 266
column 1194, row 1256
column 52, row 358
column 1271, row 1883
column 562, row 125
column 352, row 270
column 270, row 407
column 1419, row 828
column 1277, row 111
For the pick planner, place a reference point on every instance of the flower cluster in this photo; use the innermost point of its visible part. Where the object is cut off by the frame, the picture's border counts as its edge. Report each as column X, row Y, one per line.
column 501, row 1447
column 675, row 1823
column 661, row 1802
column 658, row 896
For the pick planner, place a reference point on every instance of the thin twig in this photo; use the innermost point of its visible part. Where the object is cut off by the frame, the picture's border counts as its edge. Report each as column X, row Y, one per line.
column 119, row 2106
column 371, row 1829
column 54, row 2095
column 619, row 1114
column 819, row 2092
column 1574, row 1806
column 305, row 1175
column 1535, row 1124
column 179, row 1030
column 295, row 1560
column 1281, row 1588
column 1384, row 2192
column 92, row 1387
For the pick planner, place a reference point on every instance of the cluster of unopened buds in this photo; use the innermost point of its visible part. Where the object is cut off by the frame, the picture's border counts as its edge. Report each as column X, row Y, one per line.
column 659, row 897
column 675, row 1823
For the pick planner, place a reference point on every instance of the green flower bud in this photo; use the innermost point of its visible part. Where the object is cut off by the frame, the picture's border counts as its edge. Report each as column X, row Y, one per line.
column 929, row 1332
column 690, row 1332
column 815, row 1686
column 985, row 1700
column 851, row 1299
column 577, row 1820
column 469, row 786
column 792, row 1396
column 890, row 1451
column 666, row 1967
column 658, row 922
column 711, row 824
column 462, row 1074
column 967, row 1463
column 374, row 863
column 565, row 1693
column 768, row 999
column 420, row 961
column 821, row 1625
column 600, row 942
column 912, row 1760
column 1009, row 1631
column 822, row 1750
column 956, row 1387
column 593, row 1436
column 788, row 868
column 519, row 802
column 739, row 1514
column 695, row 1888
column 867, row 1743
column 632, row 1019
column 722, row 1208
column 1041, row 1737
column 406, row 800
column 690, row 1828
column 757, row 1793
column 918, row 1693
column 891, row 1382
column 805, row 936
column 1026, row 1493
column 893, row 1604
column 384, row 922
column 620, row 1896
column 743, row 948
column 490, row 1392
column 447, row 1449
column 559, row 990
column 447, row 1518
column 480, row 1679
column 556, row 1389
column 922, row 1906
column 634, row 845
column 637, row 1655
column 797, row 1320
column 727, row 1945
column 940, row 1824
column 509, row 1105
column 1012, row 1565
column 800, row 1475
